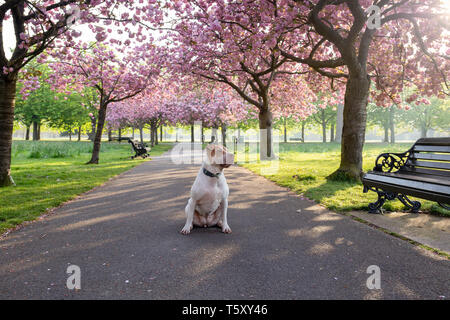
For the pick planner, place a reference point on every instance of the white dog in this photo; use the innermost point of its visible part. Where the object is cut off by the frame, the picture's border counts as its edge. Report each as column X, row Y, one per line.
column 208, row 204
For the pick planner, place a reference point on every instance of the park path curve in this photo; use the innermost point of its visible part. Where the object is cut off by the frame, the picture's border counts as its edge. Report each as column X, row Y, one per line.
column 125, row 238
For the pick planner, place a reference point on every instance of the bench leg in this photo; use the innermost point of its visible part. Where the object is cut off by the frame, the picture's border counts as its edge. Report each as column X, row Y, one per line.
column 375, row 207
column 414, row 206
column 445, row 206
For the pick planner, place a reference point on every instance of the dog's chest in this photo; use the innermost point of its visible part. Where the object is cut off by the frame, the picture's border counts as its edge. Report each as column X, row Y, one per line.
column 210, row 201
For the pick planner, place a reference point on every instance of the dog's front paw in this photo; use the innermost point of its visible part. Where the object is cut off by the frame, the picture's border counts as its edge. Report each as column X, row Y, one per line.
column 186, row 230
column 226, row 229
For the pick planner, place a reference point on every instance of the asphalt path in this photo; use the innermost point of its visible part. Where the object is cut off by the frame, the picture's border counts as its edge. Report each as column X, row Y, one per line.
column 124, row 236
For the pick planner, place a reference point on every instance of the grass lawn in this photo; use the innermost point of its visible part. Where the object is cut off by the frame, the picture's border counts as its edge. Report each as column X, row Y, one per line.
column 50, row 173
column 303, row 168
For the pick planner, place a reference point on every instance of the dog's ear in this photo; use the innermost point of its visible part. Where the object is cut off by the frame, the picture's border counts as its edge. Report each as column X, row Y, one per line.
column 211, row 151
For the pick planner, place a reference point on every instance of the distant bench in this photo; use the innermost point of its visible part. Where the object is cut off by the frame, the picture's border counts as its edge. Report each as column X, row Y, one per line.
column 140, row 149
column 423, row 172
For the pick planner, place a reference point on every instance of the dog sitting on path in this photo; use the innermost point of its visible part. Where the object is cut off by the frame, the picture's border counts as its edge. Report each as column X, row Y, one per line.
column 208, row 204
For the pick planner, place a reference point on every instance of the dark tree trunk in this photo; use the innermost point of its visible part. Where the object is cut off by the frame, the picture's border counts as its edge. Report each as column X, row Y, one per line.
column 285, row 130
column 35, row 131
column 192, row 134
column 27, row 133
column 224, row 135
column 79, row 134
column 98, row 134
column 152, row 135
column 265, row 135
column 132, row 134
column 120, row 134
column 353, row 135
column 141, row 133
column 70, row 135
column 7, row 100
column 203, row 135
column 332, row 133
column 109, row 135
column 161, row 133
column 392, row 124
column 156, row 135
column 39, row 131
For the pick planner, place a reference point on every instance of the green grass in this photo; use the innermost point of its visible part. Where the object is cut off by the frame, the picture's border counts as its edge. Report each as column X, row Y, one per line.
column 304, row 168
column 50, row 173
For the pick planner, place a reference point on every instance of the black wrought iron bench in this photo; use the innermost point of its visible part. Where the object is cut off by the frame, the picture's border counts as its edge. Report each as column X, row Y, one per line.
column 423, row 172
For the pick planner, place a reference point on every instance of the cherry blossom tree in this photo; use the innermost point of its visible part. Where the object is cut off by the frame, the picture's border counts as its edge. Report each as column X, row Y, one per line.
column 37, row 24
column 234, row 43
column 213, row 104
column 147, row 108
column 115, row 78
column 248, row 45
column 341, row 41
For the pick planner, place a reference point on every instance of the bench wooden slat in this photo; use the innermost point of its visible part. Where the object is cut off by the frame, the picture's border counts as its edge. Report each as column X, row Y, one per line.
column 436, row 172
column 418, row 177
column 431, row 156
column 425, row 148
column 443, row 141
column 410, row 184
column 430, row 164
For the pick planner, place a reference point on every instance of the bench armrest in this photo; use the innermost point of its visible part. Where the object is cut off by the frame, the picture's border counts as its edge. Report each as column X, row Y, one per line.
column 391, row 162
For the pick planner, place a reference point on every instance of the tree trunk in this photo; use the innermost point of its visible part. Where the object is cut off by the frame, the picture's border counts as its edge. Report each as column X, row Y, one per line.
column 285, row 130
column 423, row 132
column 353, row 135
column 132, row 134
column 224, row 135
column 7, row 100
column 39, row 131
column 265, row 134
column 93, row 125
column 161, row 133
column 339, row 123
column 392, row 124
column 324, row 126
column 303, row 131
column 156, row 135
column 141, row 133
column 192, row 134
column 98, row 134
column 120, row 134
column 324, row 132
column 332, row 133
column 70, row 135
column 386, row 135
column 214, row 135
column 35, row 131
column 109, row 135
column 203, row 134
column 79, row 134
column 27, row 134
column 152, row 135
